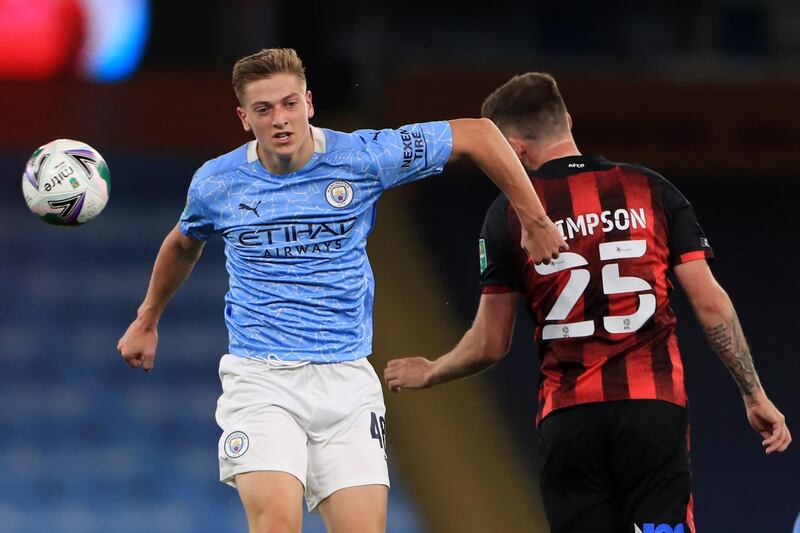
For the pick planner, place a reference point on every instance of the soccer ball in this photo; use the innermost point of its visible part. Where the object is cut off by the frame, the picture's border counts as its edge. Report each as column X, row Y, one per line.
column 66, row 182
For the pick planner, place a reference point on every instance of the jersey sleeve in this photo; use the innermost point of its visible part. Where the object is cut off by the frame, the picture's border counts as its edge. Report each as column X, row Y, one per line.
column 194, row 221
column 687, row 240
column 496, row 252
column 410, row 152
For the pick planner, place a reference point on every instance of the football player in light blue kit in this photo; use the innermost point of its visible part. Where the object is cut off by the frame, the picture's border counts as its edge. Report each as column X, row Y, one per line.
column 301, row 409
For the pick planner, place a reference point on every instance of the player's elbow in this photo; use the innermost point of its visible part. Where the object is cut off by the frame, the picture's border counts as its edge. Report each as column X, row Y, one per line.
column 484, row 127
column 485, row 124
column 495, row 356
column 494, row 349
column 714, row 305
column 470, row 136
column 490, row 339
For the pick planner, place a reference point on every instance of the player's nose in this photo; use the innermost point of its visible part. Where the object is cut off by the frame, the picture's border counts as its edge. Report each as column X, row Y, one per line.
column 279, row 118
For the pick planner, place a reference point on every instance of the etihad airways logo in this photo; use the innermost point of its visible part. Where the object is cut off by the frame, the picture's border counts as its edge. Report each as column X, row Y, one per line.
column 291, row 238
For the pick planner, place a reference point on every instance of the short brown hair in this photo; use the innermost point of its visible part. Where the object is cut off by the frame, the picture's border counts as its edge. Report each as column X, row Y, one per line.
column 264, row 64
column 529, row 105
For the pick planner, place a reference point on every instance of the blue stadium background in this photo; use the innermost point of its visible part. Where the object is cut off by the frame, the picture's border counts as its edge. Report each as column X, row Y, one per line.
column 88, row 445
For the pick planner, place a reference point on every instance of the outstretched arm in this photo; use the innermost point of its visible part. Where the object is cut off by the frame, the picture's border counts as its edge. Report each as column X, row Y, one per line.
column 485, row 343
column 716, row 315
column 480, row 140
column 175, row 260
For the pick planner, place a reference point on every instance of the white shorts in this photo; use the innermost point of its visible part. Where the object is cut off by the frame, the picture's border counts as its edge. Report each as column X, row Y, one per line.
column 322, row 423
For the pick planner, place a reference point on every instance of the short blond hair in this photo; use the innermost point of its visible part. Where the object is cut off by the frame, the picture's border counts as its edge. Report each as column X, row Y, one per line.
column 264, row 64
column 529, row 105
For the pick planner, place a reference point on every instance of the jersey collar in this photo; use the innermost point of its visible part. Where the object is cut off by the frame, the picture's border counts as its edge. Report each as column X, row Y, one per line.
column 574, row 164
column 320, row 144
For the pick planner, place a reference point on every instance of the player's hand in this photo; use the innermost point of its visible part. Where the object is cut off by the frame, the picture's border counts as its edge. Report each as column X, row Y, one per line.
column 543, row 241
column 768, row 421
column 407, row 373
column 138, row 345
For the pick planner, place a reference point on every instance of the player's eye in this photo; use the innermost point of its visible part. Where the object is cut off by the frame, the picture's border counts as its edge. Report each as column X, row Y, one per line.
column 291, row 103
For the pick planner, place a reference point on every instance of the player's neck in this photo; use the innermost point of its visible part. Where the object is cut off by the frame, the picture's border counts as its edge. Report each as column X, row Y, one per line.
column 556, row 149
column 279, row 164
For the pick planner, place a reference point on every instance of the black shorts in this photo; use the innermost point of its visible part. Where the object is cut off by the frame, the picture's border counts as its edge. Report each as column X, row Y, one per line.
column 607, row 466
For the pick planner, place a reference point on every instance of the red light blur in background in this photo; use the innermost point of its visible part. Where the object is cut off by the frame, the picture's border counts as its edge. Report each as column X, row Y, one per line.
column 39, row 38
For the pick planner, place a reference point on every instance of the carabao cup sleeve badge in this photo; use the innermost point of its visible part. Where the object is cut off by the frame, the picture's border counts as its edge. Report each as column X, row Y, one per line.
column 236, row 444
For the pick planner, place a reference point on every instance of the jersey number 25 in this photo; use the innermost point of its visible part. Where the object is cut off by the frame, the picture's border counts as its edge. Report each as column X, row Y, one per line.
column 613, row 283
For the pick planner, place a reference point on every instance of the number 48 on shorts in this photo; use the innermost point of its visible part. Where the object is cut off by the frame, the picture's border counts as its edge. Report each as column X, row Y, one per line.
column 377, row 428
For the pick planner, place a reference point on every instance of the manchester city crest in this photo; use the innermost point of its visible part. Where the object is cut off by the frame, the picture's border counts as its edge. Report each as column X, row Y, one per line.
column 236, row 444
column 339, row 193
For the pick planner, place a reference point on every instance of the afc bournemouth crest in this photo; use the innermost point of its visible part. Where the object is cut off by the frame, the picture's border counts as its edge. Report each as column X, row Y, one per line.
column 236, row 444
column 339, row 193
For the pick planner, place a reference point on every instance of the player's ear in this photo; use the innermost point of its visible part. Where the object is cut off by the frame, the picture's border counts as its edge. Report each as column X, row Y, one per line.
column 243, row 117
column 569, row 121
column 309, row 104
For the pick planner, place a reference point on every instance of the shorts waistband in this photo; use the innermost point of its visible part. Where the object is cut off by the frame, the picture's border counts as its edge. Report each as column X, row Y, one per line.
column 273, row 362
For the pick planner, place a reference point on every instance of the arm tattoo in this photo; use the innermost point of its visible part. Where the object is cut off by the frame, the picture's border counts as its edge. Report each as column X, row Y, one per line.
column 727, row 340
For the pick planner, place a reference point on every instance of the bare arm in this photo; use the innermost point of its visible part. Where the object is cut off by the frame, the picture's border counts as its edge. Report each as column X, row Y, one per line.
column 480, row 140
column 484, row 344
column 714, row 310
column 175, row 260
column 716, row 314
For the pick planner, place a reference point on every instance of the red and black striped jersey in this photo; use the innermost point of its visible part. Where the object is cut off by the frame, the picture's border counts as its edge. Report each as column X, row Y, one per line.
column 604, row 328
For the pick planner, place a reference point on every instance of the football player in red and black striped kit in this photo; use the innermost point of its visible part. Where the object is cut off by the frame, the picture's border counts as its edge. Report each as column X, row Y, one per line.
column 612, row 418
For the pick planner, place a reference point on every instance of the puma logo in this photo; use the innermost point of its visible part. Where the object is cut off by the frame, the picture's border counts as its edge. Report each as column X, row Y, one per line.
column 254, row 209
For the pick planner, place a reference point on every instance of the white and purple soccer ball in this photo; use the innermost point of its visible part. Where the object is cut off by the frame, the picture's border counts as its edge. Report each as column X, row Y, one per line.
column 66, row 182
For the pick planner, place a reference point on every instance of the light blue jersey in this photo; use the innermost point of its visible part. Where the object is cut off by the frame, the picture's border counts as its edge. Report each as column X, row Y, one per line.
column 301, row 287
